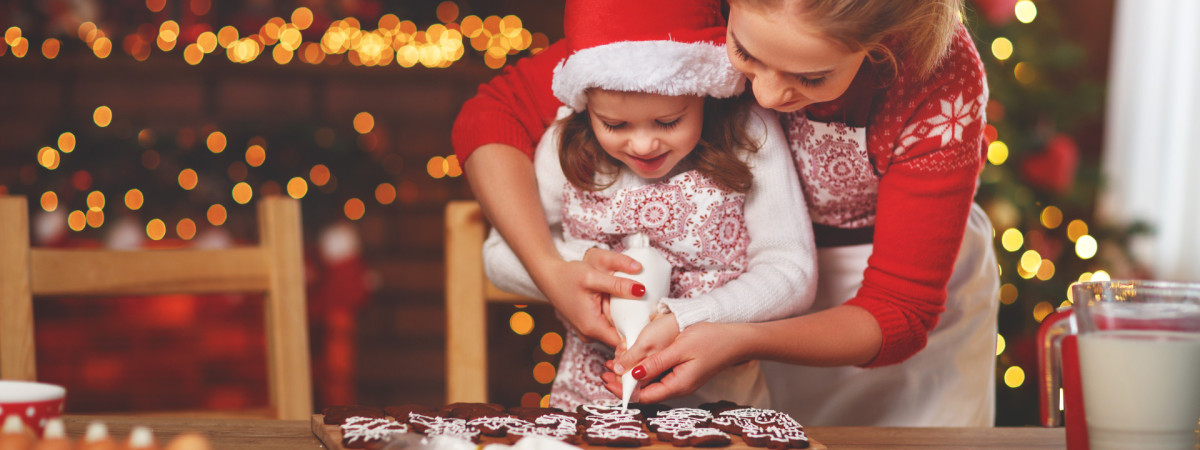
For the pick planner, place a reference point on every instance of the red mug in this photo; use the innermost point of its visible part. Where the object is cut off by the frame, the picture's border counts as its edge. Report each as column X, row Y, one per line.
column 35, row 403
column 1133, row 348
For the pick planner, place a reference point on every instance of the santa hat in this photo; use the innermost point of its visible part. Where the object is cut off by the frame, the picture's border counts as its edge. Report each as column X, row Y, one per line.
column 669, row 47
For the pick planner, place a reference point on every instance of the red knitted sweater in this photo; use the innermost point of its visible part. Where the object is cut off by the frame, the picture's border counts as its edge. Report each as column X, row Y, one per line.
column 924, row 140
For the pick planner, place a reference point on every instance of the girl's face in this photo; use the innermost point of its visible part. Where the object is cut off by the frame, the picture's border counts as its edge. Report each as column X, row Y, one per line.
column 789, row 64
column 649, row 133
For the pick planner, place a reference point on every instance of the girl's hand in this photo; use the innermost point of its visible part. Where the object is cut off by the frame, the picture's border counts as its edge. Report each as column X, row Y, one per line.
column 577, row 290
column 657, row 335
column 698, row 353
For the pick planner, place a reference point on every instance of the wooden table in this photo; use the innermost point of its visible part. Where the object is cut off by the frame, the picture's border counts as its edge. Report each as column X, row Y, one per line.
column 237, row 434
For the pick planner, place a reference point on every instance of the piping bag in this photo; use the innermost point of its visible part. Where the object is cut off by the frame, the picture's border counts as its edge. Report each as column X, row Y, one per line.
column 631, row 315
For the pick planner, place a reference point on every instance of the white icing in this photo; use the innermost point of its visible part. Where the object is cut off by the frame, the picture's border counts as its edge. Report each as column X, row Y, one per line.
column 368, row 429
column 630, row 316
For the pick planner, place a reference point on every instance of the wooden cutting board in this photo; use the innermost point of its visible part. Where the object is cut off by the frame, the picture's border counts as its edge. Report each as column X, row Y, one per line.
column 331, row 436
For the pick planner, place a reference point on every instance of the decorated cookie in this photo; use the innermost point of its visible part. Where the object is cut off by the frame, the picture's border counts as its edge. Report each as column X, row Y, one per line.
column 400, row 412
column 336, row 415
column 616, row 433
column 775, row 437
column 497, row 426
column 443, row 426
column 367, row 432
column 694, row 436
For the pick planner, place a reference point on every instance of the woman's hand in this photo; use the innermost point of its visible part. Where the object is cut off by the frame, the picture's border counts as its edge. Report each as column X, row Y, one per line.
column 696, row 355
column 579, row 289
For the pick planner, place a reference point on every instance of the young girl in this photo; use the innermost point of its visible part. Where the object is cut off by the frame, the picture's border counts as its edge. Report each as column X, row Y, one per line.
column 655, row 140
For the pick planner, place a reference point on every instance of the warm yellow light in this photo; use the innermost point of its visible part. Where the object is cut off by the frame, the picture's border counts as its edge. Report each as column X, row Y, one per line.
column 49, row 201
column 95, row 201
column 94, row 217
column 1008, row 294
column 437, row 167
column 168, row 31
column 1012, row 239
column 66, row 142
column 256, row 155
column 1046, row 270
column 186, row 229
column 207, row 41
column 227, row 36
column 999, row 344
column 102, row 47
column 1083, row 278
column 50, row 48
column 297, row 188
column 551, row 343
column 1101, row 275
column 385, row 193
column 364, row 122
column 1002, row 48
column 188, row 179
column 1014, row 377
column 1086, row 247
column 354, row 209
column 1025, row 11
column 11, row 35
column 471, row 26
column 1051, row 217
column 242, row 193
column 216, row 214
column 521, row 323
column 193, row 54
column 156, row 229
column 76, row 220
column 319, row 175
column 1031, row 261
column 1041, row 310
column 452, row 167
column 282, row 55
column 290, row 38
column 997, row 153
column 134, row 199
column 102, row 116
column 543, row 372
column 1076, row 229
column 216, row 142
column 48, row 158
column 156, row 5
column 302, row 17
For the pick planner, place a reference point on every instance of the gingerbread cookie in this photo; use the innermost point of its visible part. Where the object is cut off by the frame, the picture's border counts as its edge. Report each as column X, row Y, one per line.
column 694, row 436
column 369, row 432
column 337, row 415
column 497, row 426
column 400, row 412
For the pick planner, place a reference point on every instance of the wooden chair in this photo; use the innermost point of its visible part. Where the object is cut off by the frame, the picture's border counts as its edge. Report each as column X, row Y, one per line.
column 275, row 267
column 468, row 293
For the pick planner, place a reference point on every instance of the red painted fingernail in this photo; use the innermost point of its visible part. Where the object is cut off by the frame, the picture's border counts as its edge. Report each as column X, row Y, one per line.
column 639, row 290
column 639, row 372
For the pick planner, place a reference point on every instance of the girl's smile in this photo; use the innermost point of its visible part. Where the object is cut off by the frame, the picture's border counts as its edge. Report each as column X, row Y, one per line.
column 649, row 133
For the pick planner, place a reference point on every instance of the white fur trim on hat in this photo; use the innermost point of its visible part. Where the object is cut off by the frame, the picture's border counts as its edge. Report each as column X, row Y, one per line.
column 659, row 67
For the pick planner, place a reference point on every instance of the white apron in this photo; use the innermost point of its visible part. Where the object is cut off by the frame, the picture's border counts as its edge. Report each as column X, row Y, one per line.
column 949, row 383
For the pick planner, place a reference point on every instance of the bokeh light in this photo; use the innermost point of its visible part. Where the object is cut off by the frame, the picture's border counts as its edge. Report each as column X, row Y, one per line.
column 134, row 199
column 385, row 193
column 999, row 344
column 297, row 188
column 997, row 153
column 1014, row 377
column 188, row 179
column 1025, row 10
column 354, row 209
column 242, row 193
column 216, row 142
column 66, row 142
column 1051, row 217
column 1008, row 293
column 76, row 220
column 1012, row 239
column 49, row 201
column 319, row 175
column 521, row 323
column 186, row 229
column 1076, row 229
column 1041, row 310
column 256, row 155
column 102, row 116
column 1086, row 247
column 364, row 122
column 95, row 201
column 1002, row 48
column 216, row 214
column 156, row 229
column 543, row 372
column 551, row 343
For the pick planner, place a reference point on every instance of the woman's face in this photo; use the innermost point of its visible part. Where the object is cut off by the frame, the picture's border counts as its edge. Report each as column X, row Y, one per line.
column 789, row 64
column 649, row 133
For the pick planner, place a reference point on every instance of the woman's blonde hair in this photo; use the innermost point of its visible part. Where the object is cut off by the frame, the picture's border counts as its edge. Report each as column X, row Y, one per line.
column 718, row 155
column 919, row 30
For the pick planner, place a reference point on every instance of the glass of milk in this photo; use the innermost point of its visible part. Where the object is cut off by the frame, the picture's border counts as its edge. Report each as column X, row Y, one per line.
column 1139, row 362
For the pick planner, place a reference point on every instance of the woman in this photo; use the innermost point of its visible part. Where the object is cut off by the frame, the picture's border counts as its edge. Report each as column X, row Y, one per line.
column 883, row 103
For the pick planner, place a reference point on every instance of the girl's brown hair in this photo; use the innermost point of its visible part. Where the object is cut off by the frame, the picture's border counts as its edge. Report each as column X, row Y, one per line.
column 919, row 30
column 718, row 155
